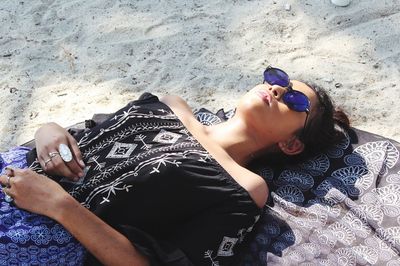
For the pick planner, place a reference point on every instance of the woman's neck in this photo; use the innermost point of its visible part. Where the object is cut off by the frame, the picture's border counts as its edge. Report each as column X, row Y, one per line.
column 237, row 140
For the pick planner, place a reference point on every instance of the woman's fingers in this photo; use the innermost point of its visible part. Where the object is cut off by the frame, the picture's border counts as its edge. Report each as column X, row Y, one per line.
column 4, row 181
column 7, row 181
column 33, row 192
column 9, row 171
column 58, row 152
column 76, row 152
column 57, row 166
column 53, row 163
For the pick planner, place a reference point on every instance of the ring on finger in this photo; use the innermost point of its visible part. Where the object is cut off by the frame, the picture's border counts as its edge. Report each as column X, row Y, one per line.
column 7, row 197
column 65, row 153
column 47, row 161
column 53, row 154
column 8, row 184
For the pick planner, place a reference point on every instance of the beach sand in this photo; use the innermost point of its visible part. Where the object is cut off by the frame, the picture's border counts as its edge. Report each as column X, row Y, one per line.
column 64, row 60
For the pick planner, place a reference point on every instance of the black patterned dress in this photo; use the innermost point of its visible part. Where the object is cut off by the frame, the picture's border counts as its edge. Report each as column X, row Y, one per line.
column 151, row 180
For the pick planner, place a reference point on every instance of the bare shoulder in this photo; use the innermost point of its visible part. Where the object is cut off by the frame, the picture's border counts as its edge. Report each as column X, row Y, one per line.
column 176, row 103
column 253, row 183
column 181, row 109
column 250, row 181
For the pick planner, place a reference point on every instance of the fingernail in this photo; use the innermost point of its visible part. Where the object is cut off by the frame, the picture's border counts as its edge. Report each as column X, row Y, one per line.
column 82, row 163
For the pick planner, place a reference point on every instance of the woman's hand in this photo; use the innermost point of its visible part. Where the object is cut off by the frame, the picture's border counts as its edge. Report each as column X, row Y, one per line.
column 33, row 192
column 48, row 139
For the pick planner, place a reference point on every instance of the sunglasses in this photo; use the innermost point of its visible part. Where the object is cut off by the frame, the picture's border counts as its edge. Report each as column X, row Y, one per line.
column 295, row 100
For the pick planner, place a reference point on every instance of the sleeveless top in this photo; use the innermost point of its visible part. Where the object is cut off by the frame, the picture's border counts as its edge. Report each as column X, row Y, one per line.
column 149, row 178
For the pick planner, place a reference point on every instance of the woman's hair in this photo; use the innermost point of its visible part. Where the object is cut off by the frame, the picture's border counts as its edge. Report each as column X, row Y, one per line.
column 324, row 129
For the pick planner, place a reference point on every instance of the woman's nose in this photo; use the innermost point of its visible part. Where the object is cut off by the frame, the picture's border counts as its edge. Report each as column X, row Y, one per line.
column 277, row 91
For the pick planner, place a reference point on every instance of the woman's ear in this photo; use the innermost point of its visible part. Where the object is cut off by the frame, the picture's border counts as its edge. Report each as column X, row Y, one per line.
column 291, row 146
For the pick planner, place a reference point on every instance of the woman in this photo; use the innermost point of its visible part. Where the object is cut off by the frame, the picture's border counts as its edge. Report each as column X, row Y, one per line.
column 152, row 185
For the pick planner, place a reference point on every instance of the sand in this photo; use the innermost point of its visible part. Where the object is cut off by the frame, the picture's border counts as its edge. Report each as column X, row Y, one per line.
column 64, row 60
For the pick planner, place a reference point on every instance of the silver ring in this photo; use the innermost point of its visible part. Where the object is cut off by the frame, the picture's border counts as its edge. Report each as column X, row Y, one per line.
column 8, row 185
column 47, row 161
column 53, row 154
column 8, row 198
column 65, row 153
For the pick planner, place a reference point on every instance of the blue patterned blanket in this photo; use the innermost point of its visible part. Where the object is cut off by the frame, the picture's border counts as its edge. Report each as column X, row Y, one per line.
column 341, row 207
column 30, row 239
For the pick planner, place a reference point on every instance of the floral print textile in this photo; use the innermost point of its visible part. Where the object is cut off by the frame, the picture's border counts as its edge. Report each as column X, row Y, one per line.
column 341, row 207
column 32, row 239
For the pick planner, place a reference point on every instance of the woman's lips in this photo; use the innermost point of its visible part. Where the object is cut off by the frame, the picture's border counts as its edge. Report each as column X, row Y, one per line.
column 265, row 96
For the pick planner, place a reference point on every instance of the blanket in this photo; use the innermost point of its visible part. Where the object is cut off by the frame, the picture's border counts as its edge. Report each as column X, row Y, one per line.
column 341, row 207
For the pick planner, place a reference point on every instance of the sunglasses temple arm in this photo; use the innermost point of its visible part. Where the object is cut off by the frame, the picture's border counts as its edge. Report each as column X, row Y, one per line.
column 305, row 125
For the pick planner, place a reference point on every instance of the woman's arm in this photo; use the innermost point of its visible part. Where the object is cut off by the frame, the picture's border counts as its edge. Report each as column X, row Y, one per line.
column 38, row 194
column 105, row 243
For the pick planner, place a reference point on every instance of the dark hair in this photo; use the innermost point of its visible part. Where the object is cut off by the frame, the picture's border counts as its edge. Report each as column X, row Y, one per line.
column 325, row 127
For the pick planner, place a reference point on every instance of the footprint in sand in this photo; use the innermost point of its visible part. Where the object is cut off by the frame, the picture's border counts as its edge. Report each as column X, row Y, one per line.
column 162, row 29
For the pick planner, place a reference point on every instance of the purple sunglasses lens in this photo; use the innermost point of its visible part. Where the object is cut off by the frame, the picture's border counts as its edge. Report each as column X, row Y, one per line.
column 296, row 101
column 275, row 76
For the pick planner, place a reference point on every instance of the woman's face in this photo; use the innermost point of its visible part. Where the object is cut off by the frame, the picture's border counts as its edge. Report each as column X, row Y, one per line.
column 267, row 114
